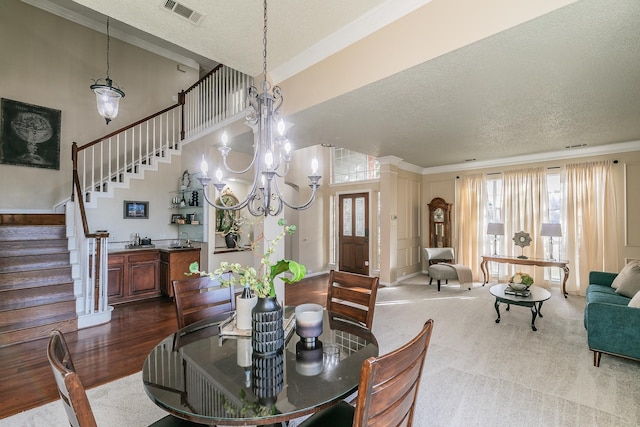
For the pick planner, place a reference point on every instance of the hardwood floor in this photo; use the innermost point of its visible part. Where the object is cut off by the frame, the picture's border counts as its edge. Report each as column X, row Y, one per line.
column 107, row 352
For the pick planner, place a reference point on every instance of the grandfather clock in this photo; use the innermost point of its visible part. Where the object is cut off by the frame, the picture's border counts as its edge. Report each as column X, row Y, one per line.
column 440, row 223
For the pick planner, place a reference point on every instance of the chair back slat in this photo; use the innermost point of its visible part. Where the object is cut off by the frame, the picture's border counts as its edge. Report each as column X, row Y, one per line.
column 201, row 298
column 70, row 388
column 389, row 384
column 352, row 295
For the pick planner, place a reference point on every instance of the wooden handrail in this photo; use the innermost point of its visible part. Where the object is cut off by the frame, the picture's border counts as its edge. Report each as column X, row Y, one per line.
column 216, row 68
column 114, row 133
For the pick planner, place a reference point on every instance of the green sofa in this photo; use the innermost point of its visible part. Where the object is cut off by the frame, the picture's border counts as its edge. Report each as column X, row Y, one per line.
column 612, row 326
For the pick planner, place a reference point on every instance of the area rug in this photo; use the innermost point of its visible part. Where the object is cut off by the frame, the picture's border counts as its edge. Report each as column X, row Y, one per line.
column 477, row 373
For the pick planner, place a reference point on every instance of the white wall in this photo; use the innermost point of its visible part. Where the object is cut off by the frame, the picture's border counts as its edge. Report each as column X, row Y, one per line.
column 49, row 61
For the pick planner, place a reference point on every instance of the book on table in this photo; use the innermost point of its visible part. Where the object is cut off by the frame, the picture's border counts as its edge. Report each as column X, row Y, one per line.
column 523, row 293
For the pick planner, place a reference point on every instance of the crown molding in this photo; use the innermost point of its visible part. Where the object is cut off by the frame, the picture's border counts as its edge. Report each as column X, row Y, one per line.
column 598, row 150
column 369, row 23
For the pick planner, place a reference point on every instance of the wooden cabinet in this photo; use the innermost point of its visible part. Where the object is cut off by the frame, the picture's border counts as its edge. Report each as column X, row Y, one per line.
column 133, row 276
column 173, row 265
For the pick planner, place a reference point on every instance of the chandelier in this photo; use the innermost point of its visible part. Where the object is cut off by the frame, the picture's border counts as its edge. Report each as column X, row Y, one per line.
column 271, row 157
column 108, row 94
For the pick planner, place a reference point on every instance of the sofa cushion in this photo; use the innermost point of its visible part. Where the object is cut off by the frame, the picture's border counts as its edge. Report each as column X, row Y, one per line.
column 628, row 272
column 635, row 301
column 627, row 283
column 609, row 298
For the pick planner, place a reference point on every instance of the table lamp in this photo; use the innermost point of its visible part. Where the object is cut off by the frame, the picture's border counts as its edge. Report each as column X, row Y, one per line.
column 551, row 231
column 497, row 229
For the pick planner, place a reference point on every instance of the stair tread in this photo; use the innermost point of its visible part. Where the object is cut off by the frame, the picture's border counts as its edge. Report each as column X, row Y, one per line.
column 34, row 262
column 38, row 322
column 32, row 232
column 35, row 278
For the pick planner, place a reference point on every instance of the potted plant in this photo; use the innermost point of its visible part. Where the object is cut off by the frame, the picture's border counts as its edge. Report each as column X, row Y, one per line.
column 232, row 232
column 520, row 281
column 260, row 282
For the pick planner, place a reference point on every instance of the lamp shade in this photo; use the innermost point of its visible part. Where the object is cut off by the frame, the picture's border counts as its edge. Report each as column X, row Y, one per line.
column 551, row 230
column 495, row 228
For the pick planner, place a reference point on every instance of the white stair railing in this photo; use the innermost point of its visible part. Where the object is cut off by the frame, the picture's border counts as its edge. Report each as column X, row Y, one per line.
column 107, row 162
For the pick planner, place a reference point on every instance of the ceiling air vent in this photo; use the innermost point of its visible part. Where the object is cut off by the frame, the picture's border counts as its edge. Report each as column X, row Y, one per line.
column 183, row 11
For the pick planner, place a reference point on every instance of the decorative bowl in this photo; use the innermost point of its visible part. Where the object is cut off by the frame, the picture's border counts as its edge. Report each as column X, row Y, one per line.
column 518, row 286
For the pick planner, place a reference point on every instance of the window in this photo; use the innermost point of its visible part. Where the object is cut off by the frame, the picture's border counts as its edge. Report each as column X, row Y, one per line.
column 350, row 166
column 494, row 214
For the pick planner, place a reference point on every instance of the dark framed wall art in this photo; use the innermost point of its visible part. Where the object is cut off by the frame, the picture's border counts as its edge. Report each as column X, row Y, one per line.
column 136, row 210
column 29, row 135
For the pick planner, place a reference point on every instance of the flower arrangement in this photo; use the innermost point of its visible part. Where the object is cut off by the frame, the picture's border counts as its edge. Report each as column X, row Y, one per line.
column 522, row 278
column 260, row 281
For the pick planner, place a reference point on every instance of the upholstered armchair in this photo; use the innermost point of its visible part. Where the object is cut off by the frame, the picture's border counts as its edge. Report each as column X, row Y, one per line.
column 442, row 267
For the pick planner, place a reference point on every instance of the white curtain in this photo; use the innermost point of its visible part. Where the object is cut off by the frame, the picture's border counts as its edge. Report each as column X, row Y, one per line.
column 525, row 206
column 470, row 209
column 589, row 221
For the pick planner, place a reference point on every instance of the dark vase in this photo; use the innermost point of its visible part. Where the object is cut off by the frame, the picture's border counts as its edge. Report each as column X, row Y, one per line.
column 231, row 240
column 267, row 335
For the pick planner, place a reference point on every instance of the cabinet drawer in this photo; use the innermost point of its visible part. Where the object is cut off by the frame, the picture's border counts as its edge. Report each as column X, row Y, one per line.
column 144, row 257
column 116, row 259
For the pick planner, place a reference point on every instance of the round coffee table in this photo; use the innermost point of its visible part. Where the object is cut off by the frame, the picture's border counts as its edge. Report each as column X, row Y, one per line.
column 537, row 296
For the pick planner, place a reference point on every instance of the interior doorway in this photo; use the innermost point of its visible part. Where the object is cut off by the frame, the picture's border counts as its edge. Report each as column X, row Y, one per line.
column 353, row 233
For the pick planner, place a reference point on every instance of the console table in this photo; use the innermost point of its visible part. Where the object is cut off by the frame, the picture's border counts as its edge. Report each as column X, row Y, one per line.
column 539, row 262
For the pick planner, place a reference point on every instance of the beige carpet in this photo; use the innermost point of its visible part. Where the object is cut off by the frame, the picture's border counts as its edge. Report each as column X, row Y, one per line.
column 478, row 373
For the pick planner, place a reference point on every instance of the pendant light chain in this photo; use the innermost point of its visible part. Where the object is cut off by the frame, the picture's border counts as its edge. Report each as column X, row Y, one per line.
column 264, row 43
column 107, row 47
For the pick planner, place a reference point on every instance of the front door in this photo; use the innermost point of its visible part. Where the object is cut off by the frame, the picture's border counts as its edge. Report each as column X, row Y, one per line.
column 353, row 240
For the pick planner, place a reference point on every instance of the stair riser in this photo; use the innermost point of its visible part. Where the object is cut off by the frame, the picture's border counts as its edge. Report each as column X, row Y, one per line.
column 36, row 315
column 32, row 232
column 23, row 298
column 33, row 247
column 37, row 332
column 37, row 278
column 33, row 262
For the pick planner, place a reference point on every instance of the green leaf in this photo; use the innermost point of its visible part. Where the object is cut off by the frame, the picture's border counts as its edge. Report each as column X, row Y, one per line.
column 194, row 268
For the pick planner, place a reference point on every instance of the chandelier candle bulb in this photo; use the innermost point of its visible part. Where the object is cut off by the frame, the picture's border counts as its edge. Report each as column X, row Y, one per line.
column 314, row 166
column 204, row 167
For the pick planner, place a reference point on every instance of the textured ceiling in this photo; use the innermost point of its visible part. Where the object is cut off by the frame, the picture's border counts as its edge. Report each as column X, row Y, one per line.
column 567, row 78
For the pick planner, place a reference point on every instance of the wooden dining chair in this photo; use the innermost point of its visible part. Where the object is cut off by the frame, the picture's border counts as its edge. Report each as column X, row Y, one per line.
column 201, row 298
column 72, row 392
column 387, row 391
column 352, row 295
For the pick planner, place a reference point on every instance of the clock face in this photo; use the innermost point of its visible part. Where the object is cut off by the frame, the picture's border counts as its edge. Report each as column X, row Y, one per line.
column 438, row 215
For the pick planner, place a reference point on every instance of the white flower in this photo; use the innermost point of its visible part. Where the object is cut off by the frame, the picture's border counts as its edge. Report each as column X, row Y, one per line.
column 517, row 278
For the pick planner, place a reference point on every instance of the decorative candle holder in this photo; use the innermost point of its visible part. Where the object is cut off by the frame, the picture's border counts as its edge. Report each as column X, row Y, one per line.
column 309, row 321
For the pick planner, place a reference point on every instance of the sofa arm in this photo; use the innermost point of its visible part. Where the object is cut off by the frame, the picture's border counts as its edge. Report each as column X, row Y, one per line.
column 613, row 328
column 601, row 278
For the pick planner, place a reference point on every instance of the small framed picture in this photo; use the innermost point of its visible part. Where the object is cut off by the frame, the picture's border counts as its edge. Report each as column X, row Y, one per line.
column 136, row 210
column 175, row 218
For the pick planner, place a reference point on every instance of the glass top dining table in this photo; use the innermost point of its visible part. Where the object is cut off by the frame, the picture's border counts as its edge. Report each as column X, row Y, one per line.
column 201, row 374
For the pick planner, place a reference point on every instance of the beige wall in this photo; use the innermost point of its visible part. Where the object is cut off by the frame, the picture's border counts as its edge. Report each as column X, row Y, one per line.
column 627, row 195
column 50, row 61
column 419, row 34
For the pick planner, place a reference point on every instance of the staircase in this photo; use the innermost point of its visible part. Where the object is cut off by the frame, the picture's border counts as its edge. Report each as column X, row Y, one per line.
column 36, row 285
